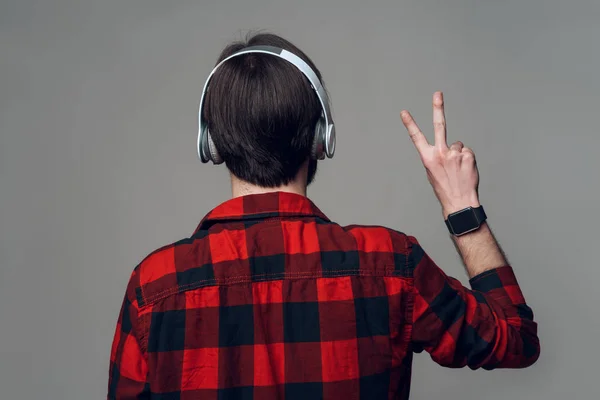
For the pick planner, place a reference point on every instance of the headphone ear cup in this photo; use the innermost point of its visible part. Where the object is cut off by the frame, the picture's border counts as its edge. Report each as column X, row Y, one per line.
column 212, row 150
column 318, row 145
column 203, row 150
column 329, row 141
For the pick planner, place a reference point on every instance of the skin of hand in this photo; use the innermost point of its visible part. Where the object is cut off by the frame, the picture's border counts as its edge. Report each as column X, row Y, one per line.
column 451, row 170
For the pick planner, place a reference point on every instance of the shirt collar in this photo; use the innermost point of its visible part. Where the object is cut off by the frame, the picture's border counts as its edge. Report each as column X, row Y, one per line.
column 262, row 206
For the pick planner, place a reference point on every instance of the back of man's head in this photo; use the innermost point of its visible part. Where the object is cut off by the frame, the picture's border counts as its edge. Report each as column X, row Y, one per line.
column 262, row 113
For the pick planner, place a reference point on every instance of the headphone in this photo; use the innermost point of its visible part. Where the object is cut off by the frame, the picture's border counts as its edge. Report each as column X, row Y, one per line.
column 324, row 140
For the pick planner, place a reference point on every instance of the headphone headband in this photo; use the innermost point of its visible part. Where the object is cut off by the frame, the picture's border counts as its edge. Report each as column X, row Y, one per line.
column 300, row 64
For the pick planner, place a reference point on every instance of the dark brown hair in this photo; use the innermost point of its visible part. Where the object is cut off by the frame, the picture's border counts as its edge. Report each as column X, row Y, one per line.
column 262, row 112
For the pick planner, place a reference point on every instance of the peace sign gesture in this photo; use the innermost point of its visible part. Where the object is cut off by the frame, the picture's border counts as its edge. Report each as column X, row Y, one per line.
column 452, row 171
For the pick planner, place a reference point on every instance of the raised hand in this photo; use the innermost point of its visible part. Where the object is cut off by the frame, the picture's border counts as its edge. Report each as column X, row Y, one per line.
column 452, row 171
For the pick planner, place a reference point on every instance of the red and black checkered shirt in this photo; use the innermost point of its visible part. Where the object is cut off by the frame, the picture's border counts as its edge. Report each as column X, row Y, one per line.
column 269, row 299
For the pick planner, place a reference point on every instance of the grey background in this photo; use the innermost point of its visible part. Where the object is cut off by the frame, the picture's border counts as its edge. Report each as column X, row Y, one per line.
column 98, row 119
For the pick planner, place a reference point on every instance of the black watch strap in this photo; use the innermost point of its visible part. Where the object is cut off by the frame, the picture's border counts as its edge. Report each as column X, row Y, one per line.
column 480, row 214
column 466, row 220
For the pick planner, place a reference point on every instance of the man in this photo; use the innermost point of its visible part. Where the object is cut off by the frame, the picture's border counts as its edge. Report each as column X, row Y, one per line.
column 269, row 299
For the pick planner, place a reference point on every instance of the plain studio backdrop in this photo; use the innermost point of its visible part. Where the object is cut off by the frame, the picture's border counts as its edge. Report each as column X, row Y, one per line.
column 98, row 167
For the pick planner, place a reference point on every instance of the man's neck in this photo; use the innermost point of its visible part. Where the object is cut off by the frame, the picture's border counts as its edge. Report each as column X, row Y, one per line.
column 241, row 188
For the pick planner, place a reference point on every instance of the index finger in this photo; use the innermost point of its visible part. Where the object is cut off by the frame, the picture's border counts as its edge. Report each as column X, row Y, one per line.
column 414, row 132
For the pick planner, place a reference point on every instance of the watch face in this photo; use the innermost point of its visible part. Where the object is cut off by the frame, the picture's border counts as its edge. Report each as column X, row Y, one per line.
column 463, row 221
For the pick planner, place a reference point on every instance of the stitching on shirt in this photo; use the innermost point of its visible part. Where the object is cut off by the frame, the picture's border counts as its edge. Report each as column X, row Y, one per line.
column 410, row 310
column 142, row 292
column 410, row 307
column 260, row 277
column 143, row 337
column 408, row 254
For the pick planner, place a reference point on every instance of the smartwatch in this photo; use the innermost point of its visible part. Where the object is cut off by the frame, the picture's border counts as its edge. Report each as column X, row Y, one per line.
column 465, row 221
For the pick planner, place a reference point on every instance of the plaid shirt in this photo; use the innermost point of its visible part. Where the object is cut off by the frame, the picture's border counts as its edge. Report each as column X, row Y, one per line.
column 269, row 299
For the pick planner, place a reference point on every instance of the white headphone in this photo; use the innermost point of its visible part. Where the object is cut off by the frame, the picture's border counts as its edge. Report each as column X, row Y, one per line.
column 324, row 141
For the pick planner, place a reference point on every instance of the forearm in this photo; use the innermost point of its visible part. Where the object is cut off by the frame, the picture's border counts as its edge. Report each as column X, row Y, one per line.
column 491, row 326
column 480, row 251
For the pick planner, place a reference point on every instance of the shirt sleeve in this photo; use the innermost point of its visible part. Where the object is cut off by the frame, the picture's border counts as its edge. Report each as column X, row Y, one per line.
column 487, row 327
column 128, row 364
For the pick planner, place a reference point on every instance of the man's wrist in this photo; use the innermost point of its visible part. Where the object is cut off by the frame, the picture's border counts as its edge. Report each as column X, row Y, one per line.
column 460, row 205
